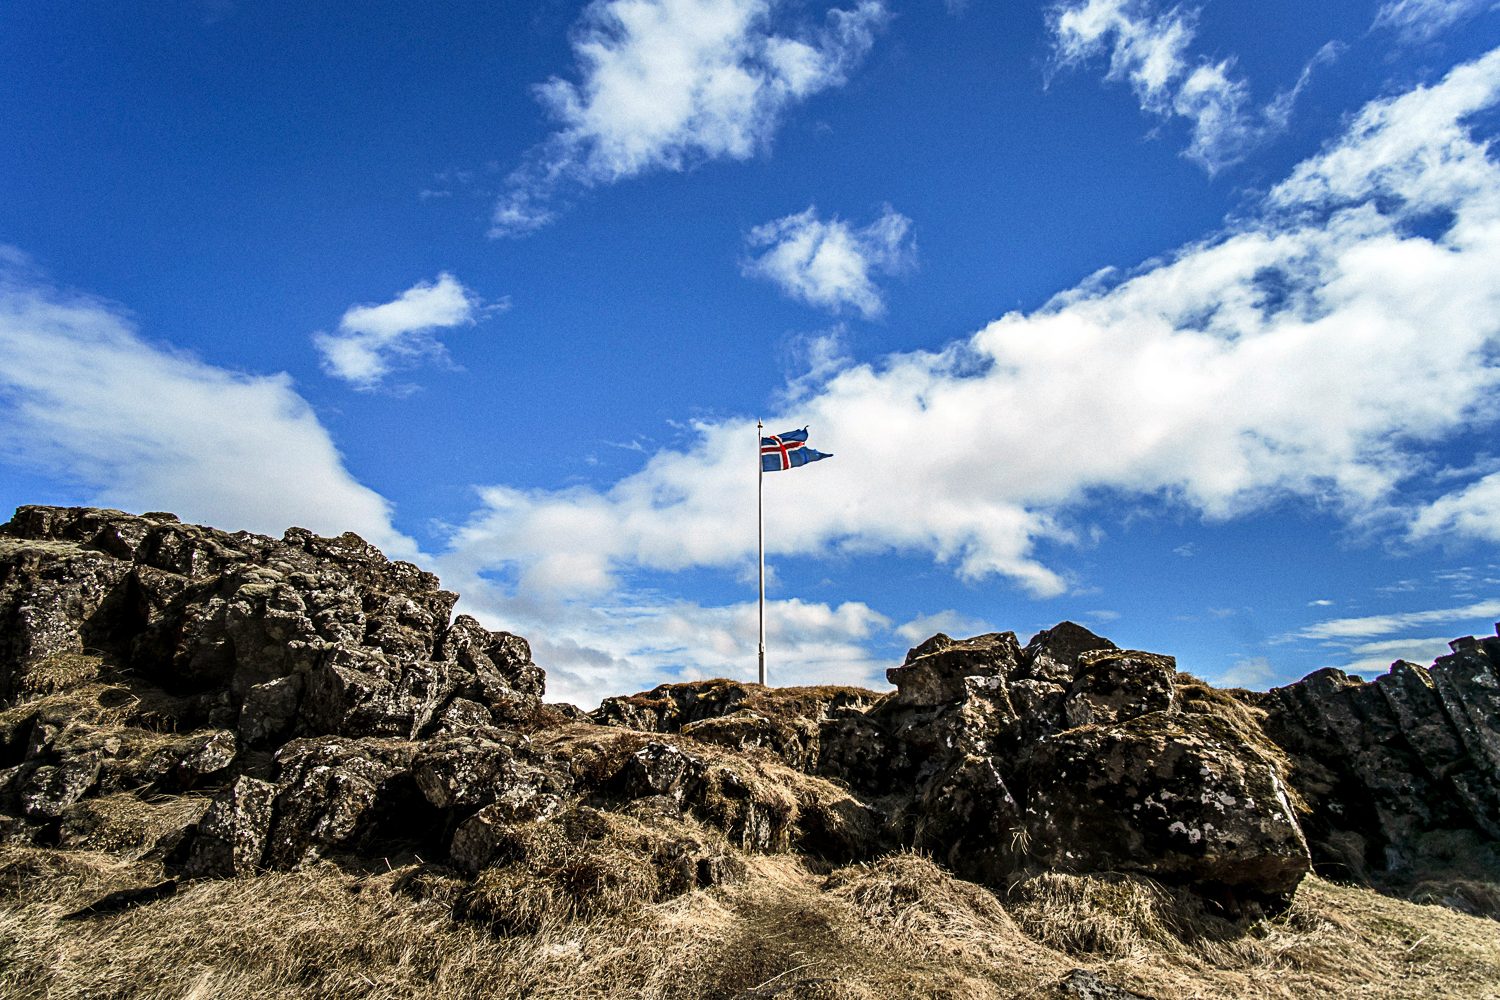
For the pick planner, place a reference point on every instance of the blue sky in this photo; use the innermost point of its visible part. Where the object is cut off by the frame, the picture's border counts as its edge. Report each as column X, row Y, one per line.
column 1176, row 321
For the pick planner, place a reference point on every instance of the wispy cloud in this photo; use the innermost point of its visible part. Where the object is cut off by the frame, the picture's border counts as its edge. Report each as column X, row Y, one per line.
column 666, row 84
column 949, row 622
column 829, row 264
column 146, row 427
column 631, row 642
column 1372, row 625
column 372, row 341
column 1150, row 49
column 1255, row 673
column 1416, row 21
column 1376, row 657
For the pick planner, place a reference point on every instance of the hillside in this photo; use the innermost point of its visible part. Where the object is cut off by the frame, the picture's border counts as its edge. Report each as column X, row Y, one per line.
column 232, row 765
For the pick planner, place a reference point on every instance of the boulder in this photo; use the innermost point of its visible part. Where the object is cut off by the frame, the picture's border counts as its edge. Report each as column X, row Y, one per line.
column 268, row 713
column 1052, row 653
column 342, row 795
column 1116, row 685
column 967, row 819
column 660, row 769
column 934, row 672
column 1178, row 798
column 233, row 832
column 50, row 789
column 464, row 772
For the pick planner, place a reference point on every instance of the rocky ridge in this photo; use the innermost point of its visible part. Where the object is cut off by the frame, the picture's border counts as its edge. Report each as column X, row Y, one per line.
column 229, row 703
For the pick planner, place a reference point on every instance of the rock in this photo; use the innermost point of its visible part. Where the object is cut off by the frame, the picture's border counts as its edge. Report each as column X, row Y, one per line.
column 268, row 713
column 198, row 610
column 1111, row 686
column 135, row 829
column 496, row 658
column 639, row 712
column 362, row 692
column 342, row 795
column 1038, row 706
column 462, row 714
column 968, row 820
column 232, row 834
column 1081, row 984
column 856, row 751
column 477, row 838
column 466, row 771
column 1052, row 653
column 660, row 769
column 1177, row 798
column 934, row 672
column 796, row 745
column 51, row 789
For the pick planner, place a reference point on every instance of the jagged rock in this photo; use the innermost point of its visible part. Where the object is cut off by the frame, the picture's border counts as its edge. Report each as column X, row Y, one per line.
column 466, row 771
column 339, row 794
column 1114, row 685
column 496, row 658
column 362, row 692
column 856, row 751
column 268, row 713
column 196, row 609
column 1469, row 685
column 153, row 829
column 52, row 788
column 934, row 672
column 233, row 832
column 639, row 712
column 968, row 819
column 1038, row 706
column 660, row 769
column 1081, row 984
column 1052, row 653
column 192, row 761
column 1175, row 797
column 462, row 714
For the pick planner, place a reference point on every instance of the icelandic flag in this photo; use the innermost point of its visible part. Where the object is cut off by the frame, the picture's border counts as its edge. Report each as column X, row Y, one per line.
column 787, row 451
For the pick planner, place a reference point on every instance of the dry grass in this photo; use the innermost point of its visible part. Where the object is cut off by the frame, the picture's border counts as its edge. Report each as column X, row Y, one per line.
column 54, row 674
column 587, row 864
column 896, row 928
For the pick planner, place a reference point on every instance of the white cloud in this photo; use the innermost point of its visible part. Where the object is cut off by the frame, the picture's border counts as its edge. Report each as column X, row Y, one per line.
column 1319, row 604
column 373, row 340
column 1472, row 512
column 1254, row 673
column 631, row 643
column 1375, row 658
column 151, row 428
column 1417, row 21
column 1317, row 349
column 1371, row 625
column 949, row 622
column 669, row 83
column 828, row 264
column 1150, row 50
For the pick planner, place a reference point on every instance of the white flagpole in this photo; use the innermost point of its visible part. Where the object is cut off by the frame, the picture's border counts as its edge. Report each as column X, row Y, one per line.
column 760, row 521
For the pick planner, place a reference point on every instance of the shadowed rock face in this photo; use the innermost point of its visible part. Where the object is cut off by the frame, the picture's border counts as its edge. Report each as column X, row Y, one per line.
column 1171, row 796
column 317, row 701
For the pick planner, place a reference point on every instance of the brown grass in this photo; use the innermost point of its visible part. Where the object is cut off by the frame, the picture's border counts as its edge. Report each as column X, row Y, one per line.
column 896, row 928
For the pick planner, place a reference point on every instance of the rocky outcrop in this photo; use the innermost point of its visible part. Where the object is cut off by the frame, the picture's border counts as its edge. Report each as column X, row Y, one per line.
column 226, row 703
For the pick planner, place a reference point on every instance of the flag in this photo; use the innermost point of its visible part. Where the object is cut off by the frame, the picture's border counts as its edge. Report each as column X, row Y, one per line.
column 787, row 451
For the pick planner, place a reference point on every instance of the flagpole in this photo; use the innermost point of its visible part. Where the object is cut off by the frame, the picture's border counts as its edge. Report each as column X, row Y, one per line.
column 760, row 523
